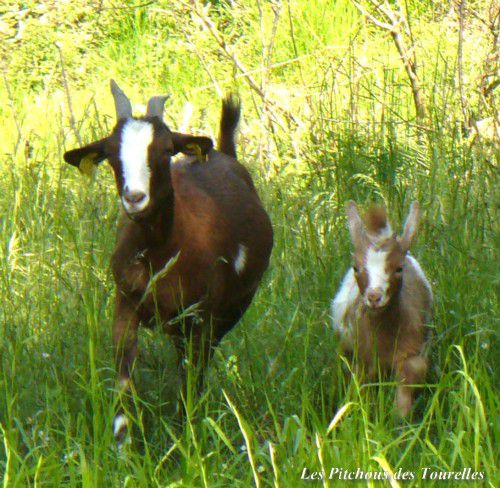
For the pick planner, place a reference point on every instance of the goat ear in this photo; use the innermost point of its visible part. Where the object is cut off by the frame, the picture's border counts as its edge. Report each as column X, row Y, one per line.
column 357, row 227
column 122, row 103
column 196, row 145
column 155, row 106
column 410, row 227
column 86, row 156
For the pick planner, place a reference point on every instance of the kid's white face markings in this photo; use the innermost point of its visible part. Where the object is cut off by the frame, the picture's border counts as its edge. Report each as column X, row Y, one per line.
column 376, row 269
column 241, row 259
column 137, row 135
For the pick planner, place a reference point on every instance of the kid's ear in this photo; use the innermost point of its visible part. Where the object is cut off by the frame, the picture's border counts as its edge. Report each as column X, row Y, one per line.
column 410, row 227
column 356, row 225
column 93, row 153
column 194, row 145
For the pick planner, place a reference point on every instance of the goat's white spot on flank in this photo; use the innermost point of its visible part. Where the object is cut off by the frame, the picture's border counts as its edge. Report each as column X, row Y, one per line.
column 241, row 259
column 137, row 135
column 376, row 261
column 119, row 424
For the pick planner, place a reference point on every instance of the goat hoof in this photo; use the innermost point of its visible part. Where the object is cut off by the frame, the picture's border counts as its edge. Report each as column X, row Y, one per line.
column 403, row 405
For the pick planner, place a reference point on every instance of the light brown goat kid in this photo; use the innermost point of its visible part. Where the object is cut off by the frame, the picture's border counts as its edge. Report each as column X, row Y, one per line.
column 384, row 302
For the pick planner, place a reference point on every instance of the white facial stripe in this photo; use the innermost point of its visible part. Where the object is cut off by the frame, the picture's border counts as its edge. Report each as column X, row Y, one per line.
column 137, row 135
column 376, row 269
column 241, row 259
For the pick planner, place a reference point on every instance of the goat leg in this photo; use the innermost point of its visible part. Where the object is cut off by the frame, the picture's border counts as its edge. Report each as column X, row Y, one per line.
column 125, row 326
column 410, row 371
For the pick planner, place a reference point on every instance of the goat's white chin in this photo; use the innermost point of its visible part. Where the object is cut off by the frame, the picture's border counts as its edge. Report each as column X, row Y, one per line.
column 135, row 210
column 377, row 306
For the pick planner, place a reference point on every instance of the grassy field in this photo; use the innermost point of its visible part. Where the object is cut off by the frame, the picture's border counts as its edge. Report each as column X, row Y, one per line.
column 328, row 116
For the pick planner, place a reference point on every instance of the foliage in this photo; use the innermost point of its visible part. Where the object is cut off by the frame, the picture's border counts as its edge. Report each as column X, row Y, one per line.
column 328, row 116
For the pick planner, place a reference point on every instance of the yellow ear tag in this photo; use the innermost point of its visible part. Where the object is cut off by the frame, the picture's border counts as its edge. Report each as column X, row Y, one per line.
column 87, row 166
column 197, row 152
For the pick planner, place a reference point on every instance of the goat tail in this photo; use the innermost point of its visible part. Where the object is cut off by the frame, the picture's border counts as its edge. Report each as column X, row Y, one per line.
column 230, row 116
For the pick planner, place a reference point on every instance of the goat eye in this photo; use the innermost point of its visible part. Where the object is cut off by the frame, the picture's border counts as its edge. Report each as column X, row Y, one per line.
column 399, row 270
column 356, row 269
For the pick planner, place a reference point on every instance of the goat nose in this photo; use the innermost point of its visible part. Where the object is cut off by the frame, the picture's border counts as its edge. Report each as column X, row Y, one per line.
column 134, row 197
column 374, row 296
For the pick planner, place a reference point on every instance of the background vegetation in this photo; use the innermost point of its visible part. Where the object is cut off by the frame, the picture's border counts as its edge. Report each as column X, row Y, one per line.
column 329, row 115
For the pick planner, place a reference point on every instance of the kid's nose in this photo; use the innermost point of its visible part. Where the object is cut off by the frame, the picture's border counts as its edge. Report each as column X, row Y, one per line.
column 374, row 297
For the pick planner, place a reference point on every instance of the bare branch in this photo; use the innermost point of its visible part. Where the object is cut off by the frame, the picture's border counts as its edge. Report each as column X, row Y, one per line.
column 460, row 60
column 72, row 121
column 228, row 52
column 373, row 19
column 406, row 53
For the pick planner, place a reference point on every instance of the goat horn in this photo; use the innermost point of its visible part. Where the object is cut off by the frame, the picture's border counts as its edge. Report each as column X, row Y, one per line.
column 155, row 106
column 122, row 103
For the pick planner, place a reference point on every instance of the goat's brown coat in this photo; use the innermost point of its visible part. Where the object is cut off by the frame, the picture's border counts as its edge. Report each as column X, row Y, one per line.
column 205, row 223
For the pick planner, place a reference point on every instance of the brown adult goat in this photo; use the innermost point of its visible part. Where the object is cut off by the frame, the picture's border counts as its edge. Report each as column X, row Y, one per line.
column 193, row 233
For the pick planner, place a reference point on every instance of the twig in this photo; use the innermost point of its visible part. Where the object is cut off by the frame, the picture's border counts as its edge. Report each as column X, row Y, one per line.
column 407, row 54
column 292, row 35
column 371, row 18
column 12, row 107
column 72, row 121
column 128, row 7
column 270, row 46
column 460, row 59
column 202, row 61
column 214, row 32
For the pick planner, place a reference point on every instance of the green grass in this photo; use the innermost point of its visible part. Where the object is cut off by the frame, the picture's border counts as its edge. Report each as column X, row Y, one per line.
column 343, row 128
